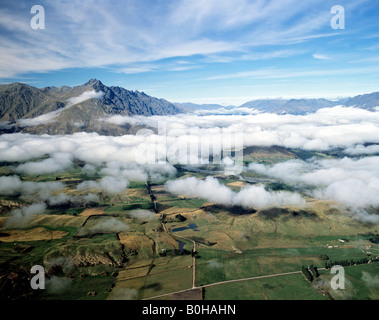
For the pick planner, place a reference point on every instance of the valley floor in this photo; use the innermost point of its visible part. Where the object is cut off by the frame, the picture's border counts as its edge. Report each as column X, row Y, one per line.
column 177, row 247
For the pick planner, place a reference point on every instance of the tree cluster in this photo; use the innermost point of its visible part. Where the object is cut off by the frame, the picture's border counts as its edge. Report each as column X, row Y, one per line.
column 310, row 273
column 346, row 263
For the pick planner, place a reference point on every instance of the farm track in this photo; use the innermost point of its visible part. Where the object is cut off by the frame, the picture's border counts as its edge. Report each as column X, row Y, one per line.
column 234, row 280
column 193, row 254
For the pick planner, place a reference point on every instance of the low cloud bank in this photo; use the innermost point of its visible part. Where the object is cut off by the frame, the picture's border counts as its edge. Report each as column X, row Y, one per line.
column 110, row 225
column 371, row 280
column 48, row 192
column 124, row 294
column 354, row 183
column 349, row 129
column 13, row 185
column 142, row 214
column 338, row 127
column 362, row 150
column 58, row 285
column 59, row 162
column 119, row 160
column 328, row 128
column 77, row 200
column 21, row 217
column 109, row 185
column 252, row 196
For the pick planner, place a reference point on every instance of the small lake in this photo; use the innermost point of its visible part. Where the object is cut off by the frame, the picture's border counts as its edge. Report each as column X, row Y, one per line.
column 190, row 226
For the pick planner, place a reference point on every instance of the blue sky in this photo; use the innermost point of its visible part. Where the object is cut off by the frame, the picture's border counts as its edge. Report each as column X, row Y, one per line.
column 202, row 51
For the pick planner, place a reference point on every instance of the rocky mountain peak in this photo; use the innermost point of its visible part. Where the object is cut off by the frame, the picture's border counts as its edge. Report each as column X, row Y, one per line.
column 94, row 82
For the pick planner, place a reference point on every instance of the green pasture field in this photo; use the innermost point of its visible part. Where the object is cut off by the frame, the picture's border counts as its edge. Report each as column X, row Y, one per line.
column 288, row 287
column 361, row 282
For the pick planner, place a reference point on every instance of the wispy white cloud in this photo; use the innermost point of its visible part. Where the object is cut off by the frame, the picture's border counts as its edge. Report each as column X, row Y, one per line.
column 275, row 73
column 50, row 116
column 320, row 56
column 98, row 34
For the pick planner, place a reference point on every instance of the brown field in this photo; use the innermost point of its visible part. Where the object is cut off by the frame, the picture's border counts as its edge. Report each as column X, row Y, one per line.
column 200, row 213
column 136, row 241
column 158, row 189
column 127, row 289
column 57, row 220
column 92, row 211
column 222, row 239
column 161, row 192
column 186, row 212
column 2, row 221
column 239, row 184
column 164, row 240
column 194, row 294
column 138, row 263
column 36, row 234
column 128, row 274
column 138, row 193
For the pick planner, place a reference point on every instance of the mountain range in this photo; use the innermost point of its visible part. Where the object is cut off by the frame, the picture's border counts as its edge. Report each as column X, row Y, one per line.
column 66, row 110
column 295, row 106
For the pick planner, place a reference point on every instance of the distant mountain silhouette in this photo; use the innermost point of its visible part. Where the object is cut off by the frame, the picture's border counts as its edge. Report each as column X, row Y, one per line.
column 297, row 106
column 304, row 106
